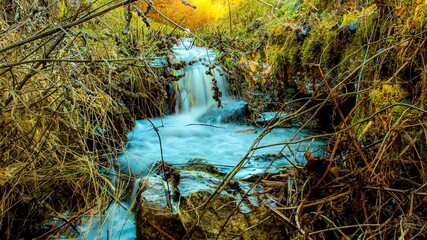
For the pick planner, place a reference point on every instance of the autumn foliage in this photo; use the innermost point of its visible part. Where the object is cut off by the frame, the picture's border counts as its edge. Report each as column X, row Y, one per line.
column 193, row 15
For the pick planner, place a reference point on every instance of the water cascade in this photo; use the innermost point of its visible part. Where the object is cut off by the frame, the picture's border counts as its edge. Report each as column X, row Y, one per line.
column 195, row 87
column 190, row 137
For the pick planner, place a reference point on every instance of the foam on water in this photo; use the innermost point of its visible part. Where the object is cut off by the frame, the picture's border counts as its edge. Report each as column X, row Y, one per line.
column 184, row 138
column 114, row 224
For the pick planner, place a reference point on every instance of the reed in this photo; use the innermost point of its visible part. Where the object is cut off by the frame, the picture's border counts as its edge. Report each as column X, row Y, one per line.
column 71, row 88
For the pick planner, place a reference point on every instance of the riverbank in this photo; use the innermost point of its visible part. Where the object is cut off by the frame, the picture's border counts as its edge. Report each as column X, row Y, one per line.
column 71, row 88
column 358, row 67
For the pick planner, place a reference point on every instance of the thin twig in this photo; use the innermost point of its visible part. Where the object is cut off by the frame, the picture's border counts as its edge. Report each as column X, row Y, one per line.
column 163, row 167
column 65, row 26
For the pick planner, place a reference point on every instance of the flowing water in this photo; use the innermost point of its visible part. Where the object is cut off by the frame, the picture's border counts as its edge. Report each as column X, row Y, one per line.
column 195, row 133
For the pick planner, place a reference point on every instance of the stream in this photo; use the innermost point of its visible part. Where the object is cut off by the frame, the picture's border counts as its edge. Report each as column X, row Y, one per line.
column 198, row 135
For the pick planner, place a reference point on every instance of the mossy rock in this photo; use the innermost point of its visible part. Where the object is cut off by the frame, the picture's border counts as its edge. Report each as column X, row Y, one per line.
column 201, row 164
column 312, row 47
column 159, row 223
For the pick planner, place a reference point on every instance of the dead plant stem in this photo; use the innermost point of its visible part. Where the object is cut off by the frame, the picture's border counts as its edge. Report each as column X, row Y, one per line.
column 65, row 26
column 46, row 60
column 163, row 166
column 325, row 200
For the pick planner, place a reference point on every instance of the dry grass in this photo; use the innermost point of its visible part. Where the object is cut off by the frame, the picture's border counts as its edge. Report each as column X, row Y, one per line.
column 372, row 182
column 70, row 89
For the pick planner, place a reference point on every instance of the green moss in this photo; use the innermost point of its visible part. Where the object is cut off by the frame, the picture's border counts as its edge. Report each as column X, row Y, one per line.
column 243, row 14
column 287, row 9
column 349, row 18
column 272, row 51
column 286, row 60
column 387, row 95
column 293, row 53
column 417, row 20
column 279, row 34
column 62, row 9
column 331, row 49
column 312, row 47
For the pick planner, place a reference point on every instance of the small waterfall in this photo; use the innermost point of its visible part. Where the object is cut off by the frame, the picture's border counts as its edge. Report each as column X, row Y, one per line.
column 185, row 137
column 195, row 88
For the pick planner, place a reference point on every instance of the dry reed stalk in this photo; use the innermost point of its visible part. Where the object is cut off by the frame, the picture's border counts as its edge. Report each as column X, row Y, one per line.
column 68, row 97
column 381, row 187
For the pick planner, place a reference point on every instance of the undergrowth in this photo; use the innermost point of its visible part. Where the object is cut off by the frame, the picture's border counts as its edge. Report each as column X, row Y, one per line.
column 361, row 64
column 72, row 83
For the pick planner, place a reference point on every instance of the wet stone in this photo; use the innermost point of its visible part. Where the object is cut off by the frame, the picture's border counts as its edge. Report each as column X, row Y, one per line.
column 231, row 112
column 201, row 164
column 258, row 224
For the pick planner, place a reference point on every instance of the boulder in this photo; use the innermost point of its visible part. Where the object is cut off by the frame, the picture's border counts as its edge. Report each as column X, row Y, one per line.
column 160, row 223
column 200, row 164
column 231, row 112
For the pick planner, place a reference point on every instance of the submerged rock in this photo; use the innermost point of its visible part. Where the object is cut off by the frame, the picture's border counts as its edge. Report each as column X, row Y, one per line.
column 265, row 157
column 200, row 164
column 246, row 130
column 267, row 117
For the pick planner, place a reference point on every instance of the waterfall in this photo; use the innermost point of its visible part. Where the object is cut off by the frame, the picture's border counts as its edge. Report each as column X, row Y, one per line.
column 187, row 137
column 195, row 87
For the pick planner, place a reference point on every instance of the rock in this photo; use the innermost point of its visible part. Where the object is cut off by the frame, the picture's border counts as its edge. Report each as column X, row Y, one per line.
column 344, row 32
column 232, row 112
column 265, row 157
column 159, row 223
column 304, row 31
column 255, row 25
column 246, row 130
column 266, row 117
column 200, row 164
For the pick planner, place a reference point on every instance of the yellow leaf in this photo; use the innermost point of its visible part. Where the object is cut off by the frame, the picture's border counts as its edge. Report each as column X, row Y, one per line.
column 253, row 66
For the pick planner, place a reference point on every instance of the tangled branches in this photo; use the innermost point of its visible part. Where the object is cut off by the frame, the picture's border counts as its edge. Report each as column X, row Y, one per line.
column 68, row 97
column 369, row 77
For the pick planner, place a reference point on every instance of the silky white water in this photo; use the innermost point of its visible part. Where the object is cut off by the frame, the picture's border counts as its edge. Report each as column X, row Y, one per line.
column 179, row 138
column 195, row 87
column 184, row 138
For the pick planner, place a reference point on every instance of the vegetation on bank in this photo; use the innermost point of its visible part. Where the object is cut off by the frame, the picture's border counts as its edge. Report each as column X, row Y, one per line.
column 72, row 83
column 359, row 67
column 74, row 77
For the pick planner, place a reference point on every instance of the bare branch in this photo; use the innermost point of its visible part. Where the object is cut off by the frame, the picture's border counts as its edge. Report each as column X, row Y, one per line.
column 188, row 4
